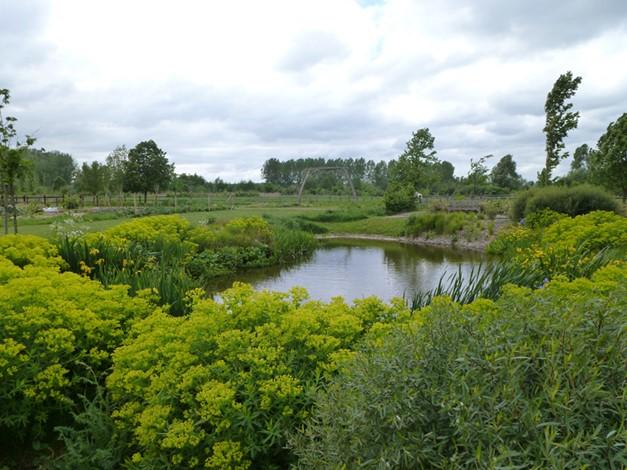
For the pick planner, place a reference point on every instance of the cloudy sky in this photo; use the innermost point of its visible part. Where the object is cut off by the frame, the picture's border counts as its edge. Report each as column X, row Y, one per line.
column 222, row 86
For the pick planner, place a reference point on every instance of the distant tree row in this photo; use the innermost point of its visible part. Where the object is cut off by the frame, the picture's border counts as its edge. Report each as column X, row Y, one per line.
column 418, row 167
column 366, row 174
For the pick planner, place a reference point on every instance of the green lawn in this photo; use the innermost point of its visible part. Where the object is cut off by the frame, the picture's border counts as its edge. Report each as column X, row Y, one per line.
column 313, row 205
column 389, row 226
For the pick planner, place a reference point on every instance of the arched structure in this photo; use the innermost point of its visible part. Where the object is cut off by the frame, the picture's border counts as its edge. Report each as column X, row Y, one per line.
column 340, row 169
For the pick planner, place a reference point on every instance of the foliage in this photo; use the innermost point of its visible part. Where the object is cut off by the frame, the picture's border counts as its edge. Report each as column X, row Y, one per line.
column 478, row 173
column 399, row 198
column 71, row 203
column 533, row 380
column 147, row 231
column 493, row 208
column 415, row 166
column 146, row 168
column 543, row 218
column 437, row 223
column 559, row 120
column 344, row 215
column 51, row 326
column 168, row 255
column 283, row 174
column 92, row 178
column 91, row 440
column 504, row 173
column 457, row 224
column 566, row 247
column 289, row 246
column 13, row 164
column 51, row 170
column 227, row 382
column 115, row 164
column 576, row 200
column 609, row 162
column 483, row 281
column 24, row 250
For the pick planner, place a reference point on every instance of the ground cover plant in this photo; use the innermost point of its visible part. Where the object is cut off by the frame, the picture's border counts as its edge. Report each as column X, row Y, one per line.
column 533, row 380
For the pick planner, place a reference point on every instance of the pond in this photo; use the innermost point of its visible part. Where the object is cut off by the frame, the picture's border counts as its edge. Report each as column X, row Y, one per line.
column 358, row 268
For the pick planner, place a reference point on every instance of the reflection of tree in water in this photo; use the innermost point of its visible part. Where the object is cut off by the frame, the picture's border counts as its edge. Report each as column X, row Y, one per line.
column 419, row 268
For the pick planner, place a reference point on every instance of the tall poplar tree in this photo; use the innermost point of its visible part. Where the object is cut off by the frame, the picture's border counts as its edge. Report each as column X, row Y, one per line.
column 559, row 120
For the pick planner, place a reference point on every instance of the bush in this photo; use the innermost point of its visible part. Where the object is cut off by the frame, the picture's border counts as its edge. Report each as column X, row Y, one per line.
column 534, row 380
column 339, row 216
column 221, row 387
column 438, row 223
column 53, row 327
column 146, row 231
column 25, row 250
column 399, row 198
column 573, row 201
column 543, row 218
column 71, row 203
column 565, row 247
column 289, row 246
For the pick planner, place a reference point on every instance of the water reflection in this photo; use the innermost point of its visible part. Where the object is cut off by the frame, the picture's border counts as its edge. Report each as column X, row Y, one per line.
column 358, row 268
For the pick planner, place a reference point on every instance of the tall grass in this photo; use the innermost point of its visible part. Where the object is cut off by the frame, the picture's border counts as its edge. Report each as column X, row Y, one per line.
column 487, row 280
column 160, row 267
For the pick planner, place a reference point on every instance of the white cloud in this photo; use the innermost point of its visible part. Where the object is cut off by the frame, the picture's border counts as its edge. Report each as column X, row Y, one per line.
column 221, row 86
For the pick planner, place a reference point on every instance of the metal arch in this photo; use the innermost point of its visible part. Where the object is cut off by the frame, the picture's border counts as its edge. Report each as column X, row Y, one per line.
column 309, row 171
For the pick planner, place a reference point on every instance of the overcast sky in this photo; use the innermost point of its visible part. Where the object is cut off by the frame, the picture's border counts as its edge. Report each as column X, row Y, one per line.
column 222, row 86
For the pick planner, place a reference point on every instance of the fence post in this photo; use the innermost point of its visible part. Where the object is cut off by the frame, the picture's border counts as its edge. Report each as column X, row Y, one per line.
column 45, row 202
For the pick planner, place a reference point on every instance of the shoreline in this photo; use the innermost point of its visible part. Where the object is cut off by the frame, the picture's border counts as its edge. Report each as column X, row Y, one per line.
column 445, row 242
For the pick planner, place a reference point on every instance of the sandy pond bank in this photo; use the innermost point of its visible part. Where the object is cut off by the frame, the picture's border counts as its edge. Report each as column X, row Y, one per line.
column 475, row 245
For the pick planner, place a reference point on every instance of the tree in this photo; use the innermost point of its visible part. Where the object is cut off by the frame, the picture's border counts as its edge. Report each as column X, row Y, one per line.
column 115, row 169
column 13, row 164
column 147, row 169
column 559, row 120
column 415, row 165
column 271, row 171
column 609, row 162
column 504, row 173
column 92, row 178
column 579, row 167
column 478, row 174
column 50, row 169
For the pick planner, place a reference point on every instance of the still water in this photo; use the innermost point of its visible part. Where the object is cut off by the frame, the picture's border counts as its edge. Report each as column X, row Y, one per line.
column 357, row 268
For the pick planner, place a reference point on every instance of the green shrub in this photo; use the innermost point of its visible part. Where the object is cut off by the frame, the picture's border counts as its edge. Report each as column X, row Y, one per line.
column 398, row 198
column 339, row 216
column 543, row 218
column 220, row 388
column 51, row 327
column 533, row 380
column 567, row 247
column 573, row 201
column 71, row 203
column 493, row 208
column 25, row 250
column 438, row 223
column 289, row 246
